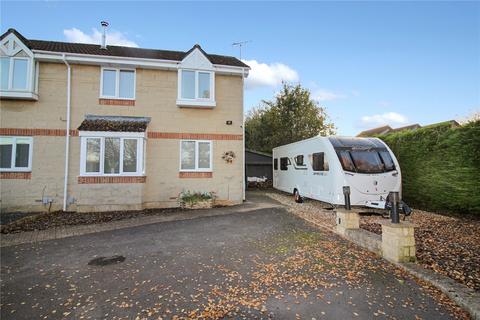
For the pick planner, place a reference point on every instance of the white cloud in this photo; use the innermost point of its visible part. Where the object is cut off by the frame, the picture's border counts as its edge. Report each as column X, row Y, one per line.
column 390, row 118
column 268, row 75
column 113, row 37
column 326, row 95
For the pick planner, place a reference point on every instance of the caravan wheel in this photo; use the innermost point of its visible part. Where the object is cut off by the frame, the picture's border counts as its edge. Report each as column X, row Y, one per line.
column 297, row 197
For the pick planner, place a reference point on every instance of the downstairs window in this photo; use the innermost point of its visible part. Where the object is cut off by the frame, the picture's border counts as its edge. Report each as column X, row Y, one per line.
column 195, row 155
column 16, row 153
column 111, row 155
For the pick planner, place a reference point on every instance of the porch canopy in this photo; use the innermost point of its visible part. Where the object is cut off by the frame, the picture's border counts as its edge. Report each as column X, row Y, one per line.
column 114, row 123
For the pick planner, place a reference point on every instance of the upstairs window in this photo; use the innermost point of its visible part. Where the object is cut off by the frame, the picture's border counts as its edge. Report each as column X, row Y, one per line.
column 195, row 85
column 15, row 153
column 14, row 73
column 195, row 155
column 118, row 83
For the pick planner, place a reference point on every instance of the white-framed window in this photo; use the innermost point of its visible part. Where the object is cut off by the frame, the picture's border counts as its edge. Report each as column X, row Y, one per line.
column 15, row 153
column 196, row 155
column 111, row 154
column 118, row 83
column 15, row 73
column 196, row 87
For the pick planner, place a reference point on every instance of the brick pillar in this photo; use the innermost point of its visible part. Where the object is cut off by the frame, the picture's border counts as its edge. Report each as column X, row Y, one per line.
column 346, row 220
column 398, row 241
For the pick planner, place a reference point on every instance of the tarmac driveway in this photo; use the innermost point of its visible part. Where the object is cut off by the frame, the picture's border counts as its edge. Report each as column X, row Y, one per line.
column 265, row 263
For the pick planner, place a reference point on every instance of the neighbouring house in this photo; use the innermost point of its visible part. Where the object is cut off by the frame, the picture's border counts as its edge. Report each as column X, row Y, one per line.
column 387, row 129
column 409, row 127
column 88, row 127
column 258, row 167
column 375, row 131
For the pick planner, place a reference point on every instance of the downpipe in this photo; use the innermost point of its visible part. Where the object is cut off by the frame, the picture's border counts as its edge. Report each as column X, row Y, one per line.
column 67, row 134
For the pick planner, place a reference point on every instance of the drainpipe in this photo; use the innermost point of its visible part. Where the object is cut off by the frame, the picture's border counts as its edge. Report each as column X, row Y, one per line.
column 67, row 134
column 243, row 135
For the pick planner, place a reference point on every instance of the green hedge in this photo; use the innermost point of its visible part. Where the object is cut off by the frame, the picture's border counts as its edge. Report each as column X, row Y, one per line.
column 440, row 167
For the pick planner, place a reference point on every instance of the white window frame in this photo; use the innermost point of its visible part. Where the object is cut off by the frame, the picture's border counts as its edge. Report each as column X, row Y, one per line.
column 117, row 83
column 197, row 101
column 14, row 153
column 197, row 169
column 10, row 74
column 139, row 136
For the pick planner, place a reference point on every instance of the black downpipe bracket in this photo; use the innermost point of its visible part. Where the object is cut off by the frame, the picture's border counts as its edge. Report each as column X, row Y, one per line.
column 346, row 194
column 395, row 201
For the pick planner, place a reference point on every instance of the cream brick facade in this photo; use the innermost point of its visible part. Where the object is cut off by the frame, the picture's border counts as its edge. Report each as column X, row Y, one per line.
column 156, row 94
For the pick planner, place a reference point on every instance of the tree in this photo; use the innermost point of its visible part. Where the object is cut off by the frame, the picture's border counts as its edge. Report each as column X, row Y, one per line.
column 291, row 116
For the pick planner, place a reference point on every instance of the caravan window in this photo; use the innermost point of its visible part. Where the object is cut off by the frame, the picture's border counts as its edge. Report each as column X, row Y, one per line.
column 275, row 164
column 299, row 160
column 319, row 163
column 346, row 160
column 387, row 160
column 284, row 162
column 367, row 161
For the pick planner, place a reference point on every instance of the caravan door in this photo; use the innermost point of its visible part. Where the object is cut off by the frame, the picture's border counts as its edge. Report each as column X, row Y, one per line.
column 275, row 172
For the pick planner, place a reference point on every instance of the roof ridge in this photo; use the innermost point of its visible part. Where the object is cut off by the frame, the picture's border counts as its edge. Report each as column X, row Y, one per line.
column 121, row 51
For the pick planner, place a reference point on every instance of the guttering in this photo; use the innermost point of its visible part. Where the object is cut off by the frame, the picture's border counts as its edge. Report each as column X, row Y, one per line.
column 67, row 134
column 140, row 62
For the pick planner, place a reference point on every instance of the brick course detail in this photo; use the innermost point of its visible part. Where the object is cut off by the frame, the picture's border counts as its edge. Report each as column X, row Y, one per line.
column 195, row 174
column 36, row 132
column 151, row 135
column 16, row 175
column 95, row 180
column 196, row 136
column 116, row 102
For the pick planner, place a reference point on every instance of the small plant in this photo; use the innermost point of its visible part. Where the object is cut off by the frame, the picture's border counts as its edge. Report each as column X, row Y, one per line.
column 189, row 199
column 228, row 156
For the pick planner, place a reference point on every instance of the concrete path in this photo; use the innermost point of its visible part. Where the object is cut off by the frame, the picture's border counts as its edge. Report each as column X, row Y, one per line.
column 265, row 263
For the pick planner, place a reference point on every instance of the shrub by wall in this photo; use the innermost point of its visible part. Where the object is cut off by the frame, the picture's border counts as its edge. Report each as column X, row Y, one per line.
column 440, row 167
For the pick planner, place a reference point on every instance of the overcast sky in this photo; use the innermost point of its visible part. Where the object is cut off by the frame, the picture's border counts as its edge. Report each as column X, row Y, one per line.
column 368, row 63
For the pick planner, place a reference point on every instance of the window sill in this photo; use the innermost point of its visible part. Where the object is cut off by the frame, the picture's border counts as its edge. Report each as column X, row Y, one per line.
column 16, row 175
column 183, row 103
column 111, row 179
column 18, row 95
column 195, row 174
column 116, row 102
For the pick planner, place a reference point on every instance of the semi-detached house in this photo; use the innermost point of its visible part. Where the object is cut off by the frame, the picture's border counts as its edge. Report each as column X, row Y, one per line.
column 87, row 127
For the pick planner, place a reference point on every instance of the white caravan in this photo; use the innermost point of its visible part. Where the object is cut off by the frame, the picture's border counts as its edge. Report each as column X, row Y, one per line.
column 319, row 168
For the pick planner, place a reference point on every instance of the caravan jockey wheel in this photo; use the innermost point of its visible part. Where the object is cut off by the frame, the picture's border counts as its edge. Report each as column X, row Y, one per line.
column 296, row 195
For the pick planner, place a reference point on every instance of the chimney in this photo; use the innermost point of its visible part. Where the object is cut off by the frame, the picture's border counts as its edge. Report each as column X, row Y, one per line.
column 104, row 35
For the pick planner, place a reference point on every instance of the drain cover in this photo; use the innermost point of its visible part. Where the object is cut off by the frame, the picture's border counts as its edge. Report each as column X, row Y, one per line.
column 105, row 261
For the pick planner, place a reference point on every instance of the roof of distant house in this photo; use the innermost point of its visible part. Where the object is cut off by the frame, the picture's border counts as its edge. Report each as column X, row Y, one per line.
column 379, row 130
column 409, row 127
column 120, row 51
column 388, row 129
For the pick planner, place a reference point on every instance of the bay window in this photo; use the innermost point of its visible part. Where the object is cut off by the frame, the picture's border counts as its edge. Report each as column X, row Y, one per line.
column 112, row 155
column 195, row 155
column 15, row 153
column 117, row 83
column 196, row 87
column 15, row 73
